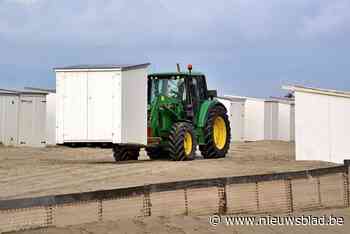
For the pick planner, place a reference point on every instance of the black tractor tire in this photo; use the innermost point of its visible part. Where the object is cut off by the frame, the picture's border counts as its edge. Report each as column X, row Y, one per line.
column 125, row 153
column 157, row 153
column 210, row 149
column 177, row 137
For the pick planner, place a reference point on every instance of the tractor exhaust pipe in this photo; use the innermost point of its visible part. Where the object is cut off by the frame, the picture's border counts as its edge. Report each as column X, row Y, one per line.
column 178, row 68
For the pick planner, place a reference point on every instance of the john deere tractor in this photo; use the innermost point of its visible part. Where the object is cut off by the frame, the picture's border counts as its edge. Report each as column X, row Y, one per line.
column 182, row 113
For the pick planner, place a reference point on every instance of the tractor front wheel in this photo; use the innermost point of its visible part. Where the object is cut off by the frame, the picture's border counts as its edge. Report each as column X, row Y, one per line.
column 125, row 153
column 182, row 142
column 217, row 134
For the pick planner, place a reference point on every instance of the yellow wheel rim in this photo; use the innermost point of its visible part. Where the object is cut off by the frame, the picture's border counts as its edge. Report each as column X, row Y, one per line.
column 188, row 143
column 220, row 133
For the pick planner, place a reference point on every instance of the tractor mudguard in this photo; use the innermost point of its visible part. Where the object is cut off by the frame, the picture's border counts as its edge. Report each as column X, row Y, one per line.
column 204, row 109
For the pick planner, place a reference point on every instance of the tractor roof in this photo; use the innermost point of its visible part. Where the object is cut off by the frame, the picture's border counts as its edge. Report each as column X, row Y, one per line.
column 165, row 74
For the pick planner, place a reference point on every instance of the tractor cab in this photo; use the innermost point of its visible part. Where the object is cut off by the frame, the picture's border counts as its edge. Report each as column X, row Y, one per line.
column 180, row 94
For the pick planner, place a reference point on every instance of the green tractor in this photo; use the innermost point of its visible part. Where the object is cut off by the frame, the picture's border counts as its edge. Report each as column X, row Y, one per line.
column 182, row 113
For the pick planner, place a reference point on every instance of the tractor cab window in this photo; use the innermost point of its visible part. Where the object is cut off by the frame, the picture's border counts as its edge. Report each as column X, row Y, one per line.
column 202, row 88
column 176, row 89
column 170, row 87
column 199, row 88
column 196, row 93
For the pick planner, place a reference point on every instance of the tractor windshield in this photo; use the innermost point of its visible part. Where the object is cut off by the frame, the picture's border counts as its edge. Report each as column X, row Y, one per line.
column 172, row 88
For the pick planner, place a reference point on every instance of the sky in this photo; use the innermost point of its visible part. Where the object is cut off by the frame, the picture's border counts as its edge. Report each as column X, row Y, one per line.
column 245, row 47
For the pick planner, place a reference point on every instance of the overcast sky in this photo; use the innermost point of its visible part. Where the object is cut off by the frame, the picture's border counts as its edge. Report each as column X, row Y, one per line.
column 245, row 47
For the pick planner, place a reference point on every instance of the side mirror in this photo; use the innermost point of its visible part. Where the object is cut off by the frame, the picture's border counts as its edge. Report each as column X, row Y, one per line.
column 212, row 93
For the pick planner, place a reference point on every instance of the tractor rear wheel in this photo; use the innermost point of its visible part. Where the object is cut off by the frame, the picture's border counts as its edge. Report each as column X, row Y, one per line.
column 217, row 134
column 182, row 142
column 124, row 153
column 157, row 152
